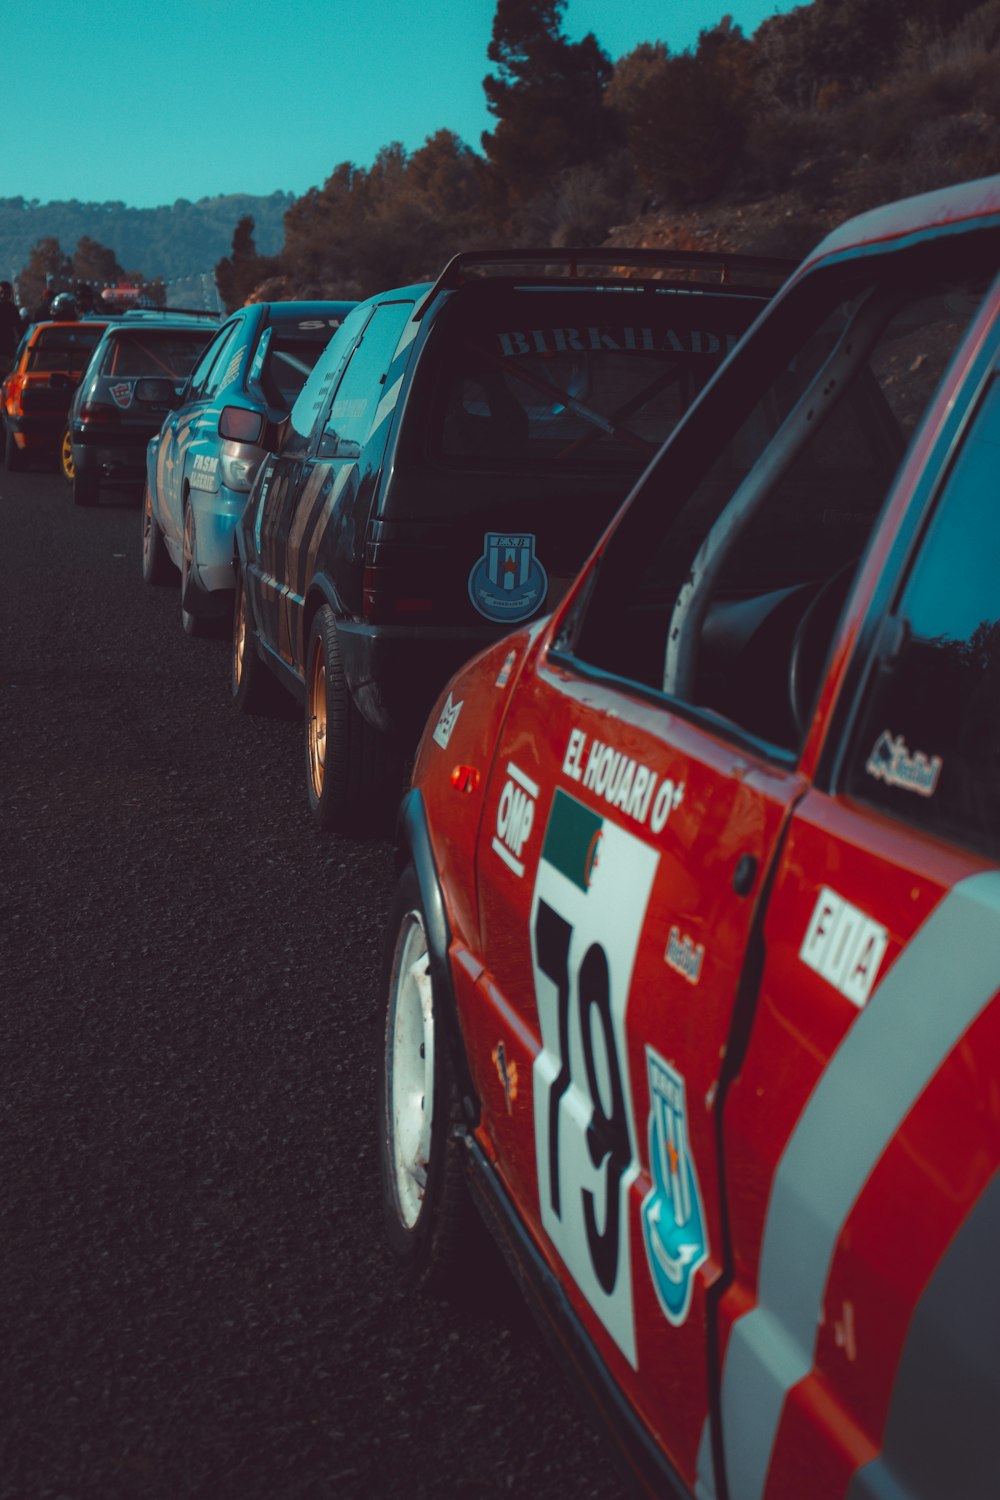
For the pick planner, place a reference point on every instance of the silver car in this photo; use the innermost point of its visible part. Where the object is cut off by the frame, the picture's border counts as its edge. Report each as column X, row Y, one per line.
column 201, row 464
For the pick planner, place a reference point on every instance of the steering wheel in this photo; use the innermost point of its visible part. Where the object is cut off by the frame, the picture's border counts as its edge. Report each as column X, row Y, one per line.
column 811, row 642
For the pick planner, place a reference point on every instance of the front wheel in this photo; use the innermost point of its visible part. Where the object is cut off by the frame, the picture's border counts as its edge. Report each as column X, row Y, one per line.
column 426, row 1205
column 354, row 774
column 156, row 565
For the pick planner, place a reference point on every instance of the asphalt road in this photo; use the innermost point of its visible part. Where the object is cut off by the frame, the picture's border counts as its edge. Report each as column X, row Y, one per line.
column 195, row 1300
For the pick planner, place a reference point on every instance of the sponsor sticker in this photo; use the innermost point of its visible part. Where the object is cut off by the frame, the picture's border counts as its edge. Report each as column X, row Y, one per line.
column 844, row 946
column 684, row 955
column 623, row 782
column 446, row 723
column 507, row 1073
column 121, row 394
column 673, row 1219
column 891, row 762
column 508, row 582
column 515, row 817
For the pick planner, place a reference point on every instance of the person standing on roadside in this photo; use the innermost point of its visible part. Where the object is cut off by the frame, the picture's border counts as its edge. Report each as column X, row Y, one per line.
column 10, row 325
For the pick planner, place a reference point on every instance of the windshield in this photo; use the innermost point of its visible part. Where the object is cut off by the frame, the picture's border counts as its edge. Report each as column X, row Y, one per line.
column 64, row 348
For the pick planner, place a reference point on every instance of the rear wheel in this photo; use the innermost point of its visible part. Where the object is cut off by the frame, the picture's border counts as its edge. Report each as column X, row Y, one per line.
column 354, row 774
column 66, row 456
column 156, row 565
column 426, row 1206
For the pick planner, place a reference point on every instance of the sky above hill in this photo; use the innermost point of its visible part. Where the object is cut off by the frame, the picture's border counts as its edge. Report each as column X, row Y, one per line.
column 148, row 101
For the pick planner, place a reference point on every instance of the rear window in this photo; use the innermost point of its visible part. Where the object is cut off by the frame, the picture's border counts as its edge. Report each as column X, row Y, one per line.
column 64, row 348
column 579, row 378
column 160, row 351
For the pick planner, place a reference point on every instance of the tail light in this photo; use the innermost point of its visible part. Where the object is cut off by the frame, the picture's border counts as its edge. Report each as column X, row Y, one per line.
column 98, row 413
column 15, row 386
column 391, row 586
column 240, row 425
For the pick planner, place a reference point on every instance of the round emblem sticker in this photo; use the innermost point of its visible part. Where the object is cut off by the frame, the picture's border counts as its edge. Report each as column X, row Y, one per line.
column 508, row 582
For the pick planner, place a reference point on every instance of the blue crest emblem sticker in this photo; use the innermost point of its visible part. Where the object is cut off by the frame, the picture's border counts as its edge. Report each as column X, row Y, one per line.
column 673, row 1222
column 508, row 582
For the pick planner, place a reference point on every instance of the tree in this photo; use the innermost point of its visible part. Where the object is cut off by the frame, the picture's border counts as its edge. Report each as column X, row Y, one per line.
column 45, row 260
column 238, row 273
column 546, row 96
column 95, row 263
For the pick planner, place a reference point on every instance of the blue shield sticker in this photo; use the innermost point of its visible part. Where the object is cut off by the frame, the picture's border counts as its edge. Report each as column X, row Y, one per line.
column 673, row 1223
column 508, row 582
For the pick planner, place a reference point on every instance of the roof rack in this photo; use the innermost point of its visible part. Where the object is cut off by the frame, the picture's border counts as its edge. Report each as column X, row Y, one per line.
column 721, row 263
column 138, row 313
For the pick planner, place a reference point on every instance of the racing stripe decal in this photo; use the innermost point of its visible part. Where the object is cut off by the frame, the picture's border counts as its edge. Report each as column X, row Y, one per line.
column 869, row 1086
column 940, row 1434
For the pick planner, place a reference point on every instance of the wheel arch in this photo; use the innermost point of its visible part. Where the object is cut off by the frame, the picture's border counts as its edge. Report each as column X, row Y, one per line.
column 414, row 846
column 320, row 591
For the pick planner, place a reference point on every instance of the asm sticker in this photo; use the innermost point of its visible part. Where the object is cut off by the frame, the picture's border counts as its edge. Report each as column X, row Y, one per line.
column 515, row 817
column 447, row 722
column 203, row 471
column 508, row 582
column 121, row 394
column 891, row 762
column 673, row 1221
column 589, row 904
column 844, row 946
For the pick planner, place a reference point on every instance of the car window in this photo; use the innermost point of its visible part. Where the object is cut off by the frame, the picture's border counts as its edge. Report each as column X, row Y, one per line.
column 710, row 590
column 63, row 348
column 288, row 361
column 927, row 747
column 581, row 379
column 360, row 403
column 209, row 374
column 153, row 351
column 313, row 397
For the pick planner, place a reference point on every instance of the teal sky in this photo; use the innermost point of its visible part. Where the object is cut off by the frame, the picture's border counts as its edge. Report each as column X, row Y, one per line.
column 148, row 102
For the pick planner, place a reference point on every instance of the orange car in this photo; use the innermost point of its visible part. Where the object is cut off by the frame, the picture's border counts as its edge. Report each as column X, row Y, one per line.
column 35, row 396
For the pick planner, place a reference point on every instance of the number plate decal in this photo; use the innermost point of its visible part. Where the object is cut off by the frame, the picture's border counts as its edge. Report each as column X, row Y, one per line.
column 589, row 904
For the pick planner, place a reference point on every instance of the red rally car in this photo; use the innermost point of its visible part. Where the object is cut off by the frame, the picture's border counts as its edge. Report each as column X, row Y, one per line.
column 693, row 969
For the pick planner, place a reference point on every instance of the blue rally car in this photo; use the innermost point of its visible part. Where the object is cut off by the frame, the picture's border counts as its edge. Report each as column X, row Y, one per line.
column 201, row 464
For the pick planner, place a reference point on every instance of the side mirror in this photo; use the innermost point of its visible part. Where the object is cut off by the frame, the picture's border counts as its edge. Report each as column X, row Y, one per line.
column 154, row 390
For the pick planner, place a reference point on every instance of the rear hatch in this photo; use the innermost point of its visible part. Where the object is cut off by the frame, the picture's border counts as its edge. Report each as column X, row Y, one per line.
column 110, row 404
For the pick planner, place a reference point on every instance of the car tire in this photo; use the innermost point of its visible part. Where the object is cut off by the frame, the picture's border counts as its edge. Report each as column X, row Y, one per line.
column 157, row 567
column 427, row 1210
column 354, row 774
column 66, row 464
column 86, row 488
column 191, row 624
column 251, row 686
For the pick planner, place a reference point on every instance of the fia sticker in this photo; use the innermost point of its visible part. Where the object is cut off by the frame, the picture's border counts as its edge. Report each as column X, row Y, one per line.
column 121, row 394
column 508, row 582
column 673, row 1219
column 515, row 817
column 507, row 1072
column 503, row 676
column 844, row 946
column 447, row 722
column 891, row 762
column 683, row 955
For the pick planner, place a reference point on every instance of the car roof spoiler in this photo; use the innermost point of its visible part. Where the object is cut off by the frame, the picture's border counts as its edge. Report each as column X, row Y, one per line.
column 716, row 267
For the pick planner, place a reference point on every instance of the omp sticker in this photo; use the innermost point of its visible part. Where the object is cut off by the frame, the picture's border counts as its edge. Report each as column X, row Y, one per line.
column 891, row 762
column 508, row 582
column 581, row 340
column 121, row 394
column 684, row 955
column 673, row 1219
column 623, row 782
column 515, row 817
column 588, row 908
column 844, row 946
column 446, row 723
column 507, row 1073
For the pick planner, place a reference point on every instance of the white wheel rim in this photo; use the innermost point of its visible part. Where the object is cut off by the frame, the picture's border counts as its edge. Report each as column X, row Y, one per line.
column 410, row 1064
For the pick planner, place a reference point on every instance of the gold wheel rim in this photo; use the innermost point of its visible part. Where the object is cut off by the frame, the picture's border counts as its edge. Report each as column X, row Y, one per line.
column 240, row 638
column 66, row 454
column 317, row 723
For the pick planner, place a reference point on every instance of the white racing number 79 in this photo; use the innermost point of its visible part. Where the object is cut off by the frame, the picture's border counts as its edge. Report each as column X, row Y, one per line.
column 589, row 904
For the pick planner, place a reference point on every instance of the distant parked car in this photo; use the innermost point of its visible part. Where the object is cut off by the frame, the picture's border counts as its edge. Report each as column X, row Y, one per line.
column 448, row 466
column 201, row 464
column 110, row 421
column 36, row 395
